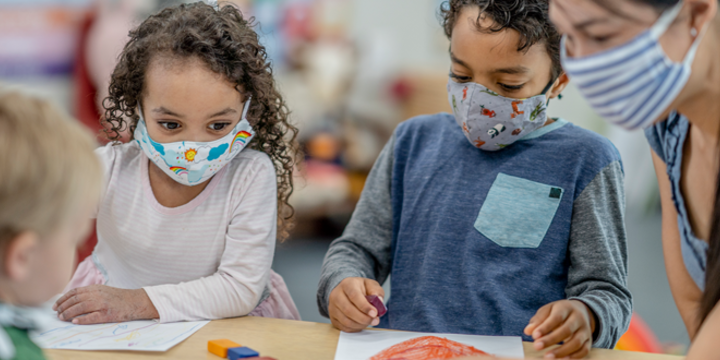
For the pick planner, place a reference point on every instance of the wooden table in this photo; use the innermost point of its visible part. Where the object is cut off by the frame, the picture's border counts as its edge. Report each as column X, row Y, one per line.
column 281, row 339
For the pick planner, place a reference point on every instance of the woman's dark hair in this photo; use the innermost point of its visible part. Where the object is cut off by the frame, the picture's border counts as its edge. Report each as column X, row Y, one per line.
column 528, row 17
column 226, row 43
column 711, row 295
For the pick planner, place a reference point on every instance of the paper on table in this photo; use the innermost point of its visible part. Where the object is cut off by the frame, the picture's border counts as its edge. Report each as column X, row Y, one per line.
column 133, row 335
column 368, row 343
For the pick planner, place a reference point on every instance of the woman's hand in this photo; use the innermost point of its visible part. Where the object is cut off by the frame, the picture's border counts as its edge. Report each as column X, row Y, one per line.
column 567, row 321
column 98, row 304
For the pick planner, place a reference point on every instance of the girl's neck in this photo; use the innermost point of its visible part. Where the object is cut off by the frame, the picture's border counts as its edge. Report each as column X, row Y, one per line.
column 168, row 192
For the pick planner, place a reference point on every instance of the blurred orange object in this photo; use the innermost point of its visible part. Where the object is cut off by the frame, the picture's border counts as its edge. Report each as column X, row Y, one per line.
column 324, row 146
column 639, row 337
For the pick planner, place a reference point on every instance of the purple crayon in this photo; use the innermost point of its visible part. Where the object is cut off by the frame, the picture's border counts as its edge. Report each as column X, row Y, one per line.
column 377, row 303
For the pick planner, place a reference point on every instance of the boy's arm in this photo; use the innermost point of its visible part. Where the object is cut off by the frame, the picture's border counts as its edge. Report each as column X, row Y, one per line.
column 598, row 255
column 364, row 248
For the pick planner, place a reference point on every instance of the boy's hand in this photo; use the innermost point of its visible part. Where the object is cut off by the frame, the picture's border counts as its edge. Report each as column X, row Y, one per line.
column 96, row 304
column 349, row 309
column 568, row 321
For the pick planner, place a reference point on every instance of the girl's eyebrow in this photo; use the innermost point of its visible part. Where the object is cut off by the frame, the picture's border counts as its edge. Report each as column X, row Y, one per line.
column 223, row 112
column 164, row 111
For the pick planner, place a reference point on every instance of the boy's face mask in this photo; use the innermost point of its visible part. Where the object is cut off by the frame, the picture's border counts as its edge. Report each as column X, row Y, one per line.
column 191, row 163
column 492, row 122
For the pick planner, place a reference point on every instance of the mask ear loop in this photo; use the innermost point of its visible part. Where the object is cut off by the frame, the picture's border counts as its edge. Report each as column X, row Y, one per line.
column 547, row 88
column 246, row 108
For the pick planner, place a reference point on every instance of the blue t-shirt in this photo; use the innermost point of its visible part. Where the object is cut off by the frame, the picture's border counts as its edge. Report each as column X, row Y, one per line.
column 667, row 139
column 510, row 256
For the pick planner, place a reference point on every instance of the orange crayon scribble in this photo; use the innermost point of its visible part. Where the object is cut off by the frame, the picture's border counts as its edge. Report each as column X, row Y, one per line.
column 427, row 348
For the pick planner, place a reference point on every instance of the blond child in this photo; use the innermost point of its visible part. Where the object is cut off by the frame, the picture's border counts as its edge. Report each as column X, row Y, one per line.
column 50, row 185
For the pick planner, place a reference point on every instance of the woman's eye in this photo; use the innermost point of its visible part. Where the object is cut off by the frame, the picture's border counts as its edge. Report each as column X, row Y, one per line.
column 460, row 78
column 601, row 39
column 511, row 87
column 218, row 126
column 169, row 125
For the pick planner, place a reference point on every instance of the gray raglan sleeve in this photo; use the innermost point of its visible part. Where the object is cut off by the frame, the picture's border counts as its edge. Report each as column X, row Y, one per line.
column 598, row 255
column 363, row 250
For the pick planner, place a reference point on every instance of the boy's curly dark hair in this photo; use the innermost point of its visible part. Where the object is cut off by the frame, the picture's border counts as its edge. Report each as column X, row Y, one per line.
column 528, row 17
column 225, row 42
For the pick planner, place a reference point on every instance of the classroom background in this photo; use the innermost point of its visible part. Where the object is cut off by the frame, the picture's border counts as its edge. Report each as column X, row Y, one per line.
column 350, row 70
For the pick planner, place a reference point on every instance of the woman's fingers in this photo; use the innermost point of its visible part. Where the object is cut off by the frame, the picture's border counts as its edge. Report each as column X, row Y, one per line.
column 81, row 307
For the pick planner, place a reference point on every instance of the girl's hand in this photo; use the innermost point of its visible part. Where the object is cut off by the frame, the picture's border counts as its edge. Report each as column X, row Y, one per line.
column 567, row 321
column 98, row 304
column 349, row 309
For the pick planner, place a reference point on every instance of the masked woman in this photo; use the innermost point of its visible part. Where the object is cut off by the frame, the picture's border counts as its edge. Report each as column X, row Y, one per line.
column 655, row 64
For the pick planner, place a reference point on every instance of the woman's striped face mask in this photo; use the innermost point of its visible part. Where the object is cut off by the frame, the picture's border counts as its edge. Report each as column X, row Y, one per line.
column 192, row 163
column 632, row 85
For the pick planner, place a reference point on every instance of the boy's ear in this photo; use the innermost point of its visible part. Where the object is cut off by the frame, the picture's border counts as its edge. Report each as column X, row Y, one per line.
column 559, row 85
column 18, row 255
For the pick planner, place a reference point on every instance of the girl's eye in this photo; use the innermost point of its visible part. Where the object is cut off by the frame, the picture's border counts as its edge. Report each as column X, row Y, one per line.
column 459, row 78
column 511, row 87
column 169, row 125
column 218, row 126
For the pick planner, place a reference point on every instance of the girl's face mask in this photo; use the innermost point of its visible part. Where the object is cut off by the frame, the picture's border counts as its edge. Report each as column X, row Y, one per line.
column 192, row 163
column 492, row 122
column 632, row 85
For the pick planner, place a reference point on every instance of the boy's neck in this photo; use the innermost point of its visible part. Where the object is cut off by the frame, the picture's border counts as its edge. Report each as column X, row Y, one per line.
column 6, row 296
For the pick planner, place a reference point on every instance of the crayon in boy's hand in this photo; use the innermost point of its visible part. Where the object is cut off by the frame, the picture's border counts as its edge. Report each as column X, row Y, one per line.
column 377, row 303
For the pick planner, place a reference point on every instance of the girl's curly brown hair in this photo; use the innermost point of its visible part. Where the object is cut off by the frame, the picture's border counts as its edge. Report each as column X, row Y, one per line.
column 225, row 42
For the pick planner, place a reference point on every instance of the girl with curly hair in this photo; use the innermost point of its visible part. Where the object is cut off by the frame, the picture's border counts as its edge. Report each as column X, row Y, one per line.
column 193, row 205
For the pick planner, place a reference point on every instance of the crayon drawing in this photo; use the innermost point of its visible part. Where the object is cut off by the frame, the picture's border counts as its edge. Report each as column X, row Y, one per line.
column 427, row 347
column 133, row 335
column 403, row 345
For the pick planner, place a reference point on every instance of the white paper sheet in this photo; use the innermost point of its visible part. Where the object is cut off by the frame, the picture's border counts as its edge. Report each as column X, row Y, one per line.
column 133, row 335
column 368, row 343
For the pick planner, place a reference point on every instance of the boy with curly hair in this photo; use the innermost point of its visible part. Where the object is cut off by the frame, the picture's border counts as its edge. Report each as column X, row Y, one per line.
column 496, row 219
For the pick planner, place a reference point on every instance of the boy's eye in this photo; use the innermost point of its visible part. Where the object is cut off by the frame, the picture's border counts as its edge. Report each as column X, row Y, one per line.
column 169, row 125
column 459, row 78
column 218, row 126
column 511, row 87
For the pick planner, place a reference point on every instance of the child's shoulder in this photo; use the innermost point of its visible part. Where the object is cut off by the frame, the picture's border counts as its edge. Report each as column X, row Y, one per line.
column 251, row 160
column 430, row 124
column 584, row 143
column 24, row 348
column 428, row 130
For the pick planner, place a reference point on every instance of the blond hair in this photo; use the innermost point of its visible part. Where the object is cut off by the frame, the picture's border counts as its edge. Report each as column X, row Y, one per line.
column 48, row 170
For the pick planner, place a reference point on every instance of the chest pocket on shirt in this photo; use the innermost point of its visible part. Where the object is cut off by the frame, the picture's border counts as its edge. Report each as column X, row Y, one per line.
column 518, row 212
